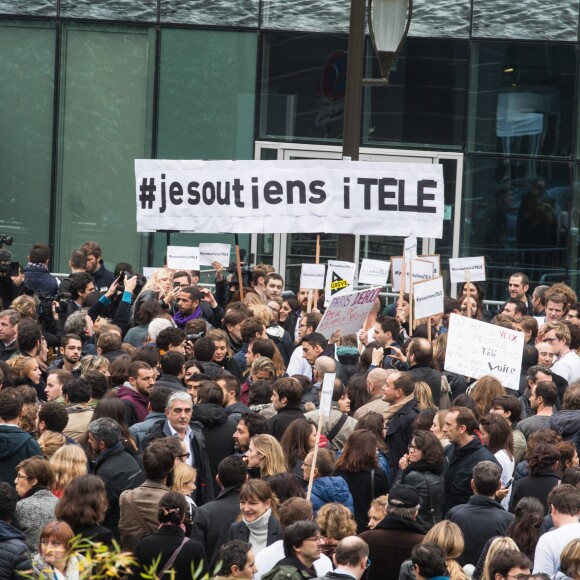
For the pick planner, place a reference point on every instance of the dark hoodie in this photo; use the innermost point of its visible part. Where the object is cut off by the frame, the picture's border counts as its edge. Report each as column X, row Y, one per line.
column 135, row 402
column 14, row 554
column 15, row 446
column 218, row 430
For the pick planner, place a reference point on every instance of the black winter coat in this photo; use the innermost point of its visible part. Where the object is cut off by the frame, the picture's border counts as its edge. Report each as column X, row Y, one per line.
column 400, row 433
column 119, row 471
column 538, row 486
column 480, row 519
column 14, row 555
column 163, row 543
column 15, row 446
column 429, row 376
column 212, row 522
column 218, row 430
column 460, row 462
column 239, row 531
column 278, row 424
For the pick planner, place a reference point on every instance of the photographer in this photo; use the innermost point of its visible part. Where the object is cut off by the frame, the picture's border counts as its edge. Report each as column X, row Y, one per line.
column 11, row 278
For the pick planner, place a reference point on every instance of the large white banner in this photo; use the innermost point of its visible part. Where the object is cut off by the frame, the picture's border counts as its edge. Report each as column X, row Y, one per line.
column 343, row 197
column 347, row 312
column 476, row 348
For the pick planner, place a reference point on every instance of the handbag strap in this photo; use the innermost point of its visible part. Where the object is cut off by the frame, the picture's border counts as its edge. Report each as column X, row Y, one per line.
column 432, row 509
column 373, row 483
column 337, row 427
column 171, row 560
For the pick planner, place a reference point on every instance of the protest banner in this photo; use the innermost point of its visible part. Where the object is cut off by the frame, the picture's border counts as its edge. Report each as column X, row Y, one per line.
column 209, row 253
column 326, row 393
column 298, row 196
column 312, row 276
column 410, row 248
column 467, row 269
column 422, row 270
column 435, row 260
column 428, row 297
column 148, row 271
column 347, row 312
column 476, row 348
column 374, row 272
column 339, row 279
column 182, row 258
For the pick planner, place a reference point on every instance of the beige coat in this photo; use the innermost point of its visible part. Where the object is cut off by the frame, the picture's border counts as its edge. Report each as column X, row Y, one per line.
column 375, row 405
column 79, row 417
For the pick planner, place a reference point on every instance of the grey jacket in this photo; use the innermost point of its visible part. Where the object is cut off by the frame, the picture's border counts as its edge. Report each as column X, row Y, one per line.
column 33, row 513
column 141, row 430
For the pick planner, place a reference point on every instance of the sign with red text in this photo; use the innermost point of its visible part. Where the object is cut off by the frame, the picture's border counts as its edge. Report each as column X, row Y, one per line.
column 347, row 312
column 476, row 348
column 290, row 197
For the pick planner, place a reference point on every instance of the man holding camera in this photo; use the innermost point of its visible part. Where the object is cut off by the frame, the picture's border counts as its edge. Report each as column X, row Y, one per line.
column 194, row 302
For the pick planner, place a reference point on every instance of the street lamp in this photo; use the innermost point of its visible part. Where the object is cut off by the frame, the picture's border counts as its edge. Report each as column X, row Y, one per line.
column 389, row 22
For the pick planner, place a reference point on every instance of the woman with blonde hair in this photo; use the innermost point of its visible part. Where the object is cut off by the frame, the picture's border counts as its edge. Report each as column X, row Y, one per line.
column 50, row 442
column 484, row 391
column 335, row 522
column 159, row 288
column 500, row 544
column 184, row 477
column 26, row 306
column 92, row 362
column 377, row 511
column 570, row 561
column 266, row 454
column 448, row 536
column 423, row 395
column 25, row 371
column 437, row 427
column 67, row 462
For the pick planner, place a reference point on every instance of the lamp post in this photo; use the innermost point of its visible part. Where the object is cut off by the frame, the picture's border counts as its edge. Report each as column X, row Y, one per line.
column 389, row 22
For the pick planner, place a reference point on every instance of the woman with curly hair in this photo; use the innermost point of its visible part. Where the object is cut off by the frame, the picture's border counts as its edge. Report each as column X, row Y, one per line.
column 83, row 506
column 68, row 462
column 297, row 442
column 422, row 469
column 543, row 464
column 377, row 511
column 259, row 524
column 25, row 371
column 448, row 536
column 265, row 454
column 335, row 522
column 359, row 467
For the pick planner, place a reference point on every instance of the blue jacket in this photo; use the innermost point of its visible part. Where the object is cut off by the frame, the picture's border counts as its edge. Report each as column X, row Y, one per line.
column 40, row 281
column 14, row 555
column 330, row 489
column 15, row 445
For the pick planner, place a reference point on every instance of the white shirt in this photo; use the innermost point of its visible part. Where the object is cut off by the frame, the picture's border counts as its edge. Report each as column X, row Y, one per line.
column 298, row 365
column 507, row 471
column 186, row 441
column 567, row 366
column 270, row 556
column 550, row 546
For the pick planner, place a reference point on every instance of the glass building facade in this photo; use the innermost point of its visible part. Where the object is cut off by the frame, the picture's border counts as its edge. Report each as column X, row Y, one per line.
column 90, row 85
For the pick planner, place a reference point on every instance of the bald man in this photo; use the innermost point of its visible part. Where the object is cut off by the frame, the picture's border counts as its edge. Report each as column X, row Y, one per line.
column 376, row 379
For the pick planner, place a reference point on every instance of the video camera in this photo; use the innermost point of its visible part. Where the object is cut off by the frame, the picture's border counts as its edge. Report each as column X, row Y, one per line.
column 141, row 281
column 6, row 240
column 247, row 270
column 44, row 308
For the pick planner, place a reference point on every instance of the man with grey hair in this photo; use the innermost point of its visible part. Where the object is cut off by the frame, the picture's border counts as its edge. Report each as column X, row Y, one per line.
column 482, row 517
column 178, row 423
column 81, row 323
column 117, row 468
column 8, row 333
column 156, row 326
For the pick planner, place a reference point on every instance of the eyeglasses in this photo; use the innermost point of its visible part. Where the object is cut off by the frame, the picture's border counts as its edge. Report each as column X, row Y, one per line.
column 413, row 447
column 368, row 564
column 303, row 326
column 306, row 465
column 22, row 476
column 186, row 455
column 317, row 538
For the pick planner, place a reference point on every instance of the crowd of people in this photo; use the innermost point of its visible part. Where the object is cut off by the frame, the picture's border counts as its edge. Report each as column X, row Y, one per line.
column 181, row 423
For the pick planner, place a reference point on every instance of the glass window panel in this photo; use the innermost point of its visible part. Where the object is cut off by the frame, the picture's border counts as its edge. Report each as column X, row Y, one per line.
column 424, row 103
column 217, row 12
column 521, row 224
column 306, row 15
column 207, row 94
column 526, row 20
column 144, row 10
column 522, row 99
column 301, row 248
column 26, row 126
column 440, row 18
column 28, row 7
column 302, row 87
column 105, row 126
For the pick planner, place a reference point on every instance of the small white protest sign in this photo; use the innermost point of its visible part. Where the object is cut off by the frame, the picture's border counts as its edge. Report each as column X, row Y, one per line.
column 410, row 248
column 374, row 272
column 459, row 266
column 347, row 312
column 422, row 270
column 312, row 276
column 148, row 271
column 428, row 297
column 476, row 348
column 339, row 279
column 182, row 258
column 209, row 253
column 326, row 394
column 435, row 260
